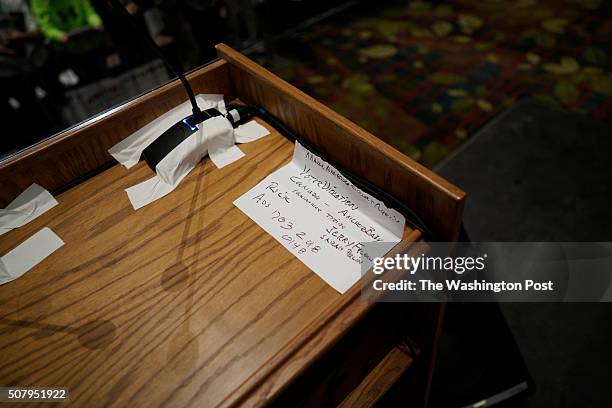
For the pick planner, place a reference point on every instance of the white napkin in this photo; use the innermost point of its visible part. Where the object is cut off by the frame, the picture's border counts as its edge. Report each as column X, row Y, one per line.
column 128, row 151
column 28, row 254
column 250, row 132
column 30, row 204
column 214, row 137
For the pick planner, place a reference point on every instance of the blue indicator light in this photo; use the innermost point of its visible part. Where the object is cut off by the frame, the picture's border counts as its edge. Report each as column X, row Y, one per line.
column 186, row 121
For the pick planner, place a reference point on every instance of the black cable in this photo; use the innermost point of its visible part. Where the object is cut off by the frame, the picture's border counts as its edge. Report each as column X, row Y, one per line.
column 197, row 113
column 84, row 177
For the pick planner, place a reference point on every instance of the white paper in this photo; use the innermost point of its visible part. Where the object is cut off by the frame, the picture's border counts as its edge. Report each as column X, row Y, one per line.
column 215, row 134
column 28, row 254
column 226, row 156
column 322, row 218
column 220, row 138
column 30, row 204
column 250, row 132
column 215, row 137
column 128, row 151
column 148, row 191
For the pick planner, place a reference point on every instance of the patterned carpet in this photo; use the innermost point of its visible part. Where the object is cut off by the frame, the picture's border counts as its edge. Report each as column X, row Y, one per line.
column 425, row 76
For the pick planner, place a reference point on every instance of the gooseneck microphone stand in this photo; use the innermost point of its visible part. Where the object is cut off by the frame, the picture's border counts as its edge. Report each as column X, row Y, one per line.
column 237, row 114
column 198, row 116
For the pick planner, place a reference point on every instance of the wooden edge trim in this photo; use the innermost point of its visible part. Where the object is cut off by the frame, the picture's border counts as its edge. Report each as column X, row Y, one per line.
column 110, row 114
column 376, row 384
column 61, row 159
column 438, row 202
column 411, row 166
column 251, row 392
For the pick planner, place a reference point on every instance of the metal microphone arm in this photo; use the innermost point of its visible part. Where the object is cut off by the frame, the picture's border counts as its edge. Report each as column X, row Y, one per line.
column 197, row 113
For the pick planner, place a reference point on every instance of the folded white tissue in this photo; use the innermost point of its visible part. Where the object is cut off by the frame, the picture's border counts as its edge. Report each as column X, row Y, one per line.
column 28, row 254
column 215, row 137
column 30, row 204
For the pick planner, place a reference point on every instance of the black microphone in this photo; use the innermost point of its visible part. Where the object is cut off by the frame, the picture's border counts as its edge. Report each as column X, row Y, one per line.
column 177, row 133
column 236, row 115
column 184, row 128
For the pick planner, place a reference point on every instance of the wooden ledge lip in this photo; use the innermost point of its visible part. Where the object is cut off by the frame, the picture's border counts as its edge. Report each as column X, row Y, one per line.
column 232, row 56
column 108, row 114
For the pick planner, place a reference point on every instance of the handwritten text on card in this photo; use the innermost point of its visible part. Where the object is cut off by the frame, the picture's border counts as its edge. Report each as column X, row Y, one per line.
column 322, row 218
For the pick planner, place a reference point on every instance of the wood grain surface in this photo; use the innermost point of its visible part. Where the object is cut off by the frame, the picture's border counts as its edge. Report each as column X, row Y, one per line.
column 183, row 302
column 379, row 381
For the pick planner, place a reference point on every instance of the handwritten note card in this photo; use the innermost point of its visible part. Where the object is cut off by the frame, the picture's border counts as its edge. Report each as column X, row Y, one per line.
column 322, row 218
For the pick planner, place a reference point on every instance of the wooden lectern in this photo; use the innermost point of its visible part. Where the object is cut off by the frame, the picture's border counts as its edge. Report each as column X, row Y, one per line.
column 187, row 302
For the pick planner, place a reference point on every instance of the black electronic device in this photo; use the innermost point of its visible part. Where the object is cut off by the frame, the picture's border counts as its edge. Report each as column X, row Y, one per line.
column 183, row 128
column 187, row 126
column 171, row 138
column 237, row 114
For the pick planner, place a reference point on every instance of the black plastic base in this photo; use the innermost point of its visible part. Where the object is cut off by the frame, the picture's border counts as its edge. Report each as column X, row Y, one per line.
column 171, row 138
